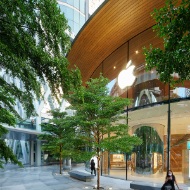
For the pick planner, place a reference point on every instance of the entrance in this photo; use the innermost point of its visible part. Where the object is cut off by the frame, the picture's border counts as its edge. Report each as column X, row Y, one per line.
column 147, row 158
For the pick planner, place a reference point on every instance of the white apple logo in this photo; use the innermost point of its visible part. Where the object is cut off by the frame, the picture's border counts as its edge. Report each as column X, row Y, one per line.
column 126, row 77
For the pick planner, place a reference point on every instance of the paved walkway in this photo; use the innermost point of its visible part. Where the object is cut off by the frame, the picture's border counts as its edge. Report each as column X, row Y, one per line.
column 48, row 178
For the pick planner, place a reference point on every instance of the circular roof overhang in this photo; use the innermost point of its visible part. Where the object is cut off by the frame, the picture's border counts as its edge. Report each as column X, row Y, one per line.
column 113, row 23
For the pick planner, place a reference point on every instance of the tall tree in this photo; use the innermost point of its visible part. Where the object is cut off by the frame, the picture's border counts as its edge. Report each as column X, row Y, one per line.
column 61, row 139
column 33, row 44
column 173, row 26
column 99, row 117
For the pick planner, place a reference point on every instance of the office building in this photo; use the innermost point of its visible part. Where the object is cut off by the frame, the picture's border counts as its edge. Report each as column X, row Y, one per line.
column 23, row 138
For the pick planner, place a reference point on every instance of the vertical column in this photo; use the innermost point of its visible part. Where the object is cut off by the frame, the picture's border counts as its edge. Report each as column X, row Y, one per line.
column 38, row 123
column 68, row 163
column 14, row 146
column 31, row 153
column 64, row 163
column 168, row 130
column 38, row 152
column 24, row 152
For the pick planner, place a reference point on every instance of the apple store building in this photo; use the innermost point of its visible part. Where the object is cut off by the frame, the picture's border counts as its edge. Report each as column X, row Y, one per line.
column 115, row 45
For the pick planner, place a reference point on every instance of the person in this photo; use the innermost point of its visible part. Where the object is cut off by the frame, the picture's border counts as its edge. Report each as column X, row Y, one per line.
column 169, row 182
column 92, row 167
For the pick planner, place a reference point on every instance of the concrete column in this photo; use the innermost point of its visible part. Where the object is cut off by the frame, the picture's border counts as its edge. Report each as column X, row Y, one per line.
column 24, row 152
column 31, row 153
column 64, row 162
column 38, row 153
column 69, row 162
column 14, row 146
column 38, row 123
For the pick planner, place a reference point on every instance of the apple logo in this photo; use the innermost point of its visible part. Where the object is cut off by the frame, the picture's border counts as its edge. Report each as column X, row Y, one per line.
column 126, row 77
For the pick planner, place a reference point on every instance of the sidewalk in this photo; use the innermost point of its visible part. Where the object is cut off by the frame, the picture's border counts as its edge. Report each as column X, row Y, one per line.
column 48, row 178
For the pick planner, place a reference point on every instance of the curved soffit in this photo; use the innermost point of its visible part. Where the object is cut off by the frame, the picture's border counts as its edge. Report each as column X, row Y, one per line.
column 114, row 23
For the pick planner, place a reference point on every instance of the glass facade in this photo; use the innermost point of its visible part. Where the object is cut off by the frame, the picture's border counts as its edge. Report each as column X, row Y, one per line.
column 148, row 113
column 23, row 138
column 75, row 12
column 147, row 158
column 20, row 143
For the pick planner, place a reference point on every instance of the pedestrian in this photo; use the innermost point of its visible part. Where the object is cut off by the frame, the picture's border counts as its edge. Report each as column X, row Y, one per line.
column 92, row 167
column 169, row 182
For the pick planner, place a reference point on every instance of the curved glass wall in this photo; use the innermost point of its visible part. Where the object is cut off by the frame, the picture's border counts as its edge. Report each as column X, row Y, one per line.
column 149, row 108
column 147, row 158
column 147, row 87
column 74, row 11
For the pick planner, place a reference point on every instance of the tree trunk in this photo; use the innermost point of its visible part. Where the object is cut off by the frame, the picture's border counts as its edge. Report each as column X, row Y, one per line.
column 98, row 168
column 60, row 161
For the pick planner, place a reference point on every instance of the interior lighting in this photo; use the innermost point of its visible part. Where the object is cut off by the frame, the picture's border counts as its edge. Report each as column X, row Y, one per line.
column 126, row 77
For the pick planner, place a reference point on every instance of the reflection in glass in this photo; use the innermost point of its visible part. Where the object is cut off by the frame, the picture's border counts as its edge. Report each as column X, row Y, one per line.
column 147, row 158
column 20, row 148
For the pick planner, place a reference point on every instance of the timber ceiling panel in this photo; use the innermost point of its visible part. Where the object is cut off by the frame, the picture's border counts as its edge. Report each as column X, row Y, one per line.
column 112, row 25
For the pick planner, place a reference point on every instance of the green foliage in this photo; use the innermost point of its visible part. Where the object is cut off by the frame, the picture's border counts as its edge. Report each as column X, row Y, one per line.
column 98, row 117
column 97, row 114
column 7, row 117
column 60, row 138
column 173, row 27
column 7, row 154
column 33, row 45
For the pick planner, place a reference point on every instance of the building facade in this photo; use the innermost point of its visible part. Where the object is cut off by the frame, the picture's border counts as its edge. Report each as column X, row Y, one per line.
column 76, row 12
column 23, row 137
column 122, row 29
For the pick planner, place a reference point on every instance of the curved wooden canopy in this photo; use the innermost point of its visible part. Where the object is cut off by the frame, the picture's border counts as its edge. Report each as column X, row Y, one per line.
column 114, row 23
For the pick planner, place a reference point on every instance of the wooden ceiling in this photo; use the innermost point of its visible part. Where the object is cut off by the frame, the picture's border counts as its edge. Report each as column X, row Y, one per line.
column 114, row 23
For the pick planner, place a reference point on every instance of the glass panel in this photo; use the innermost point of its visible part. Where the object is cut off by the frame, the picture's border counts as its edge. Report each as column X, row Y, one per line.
column 149, row 155
column 70, row 13
column 82, row 6
column 111, row 85
column 71, row 24
column 76, row 17
column 20, row 148
column 82, row 20
column 70, row 2
column 76, row 4
column 63, row 9
column 76, row 28
column 64, row 1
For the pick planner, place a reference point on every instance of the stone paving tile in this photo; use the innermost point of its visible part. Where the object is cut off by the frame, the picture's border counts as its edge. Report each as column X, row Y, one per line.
column 15, row 187
column 46, row 178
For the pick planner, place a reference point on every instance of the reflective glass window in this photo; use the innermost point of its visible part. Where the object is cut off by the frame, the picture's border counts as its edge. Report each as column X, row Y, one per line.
column 76, row 28
column 71, row 2
column 71, row 24
column 63, row 9
column 76, row 4
column 148, row 156
column 82, row 20
column 70, row 13
column 82, row 6
column 76, row 16
column 64, row 1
